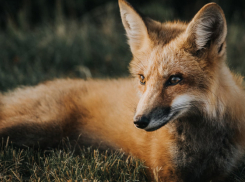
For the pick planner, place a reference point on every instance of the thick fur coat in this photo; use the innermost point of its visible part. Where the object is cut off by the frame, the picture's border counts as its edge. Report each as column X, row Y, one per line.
column 188, row 105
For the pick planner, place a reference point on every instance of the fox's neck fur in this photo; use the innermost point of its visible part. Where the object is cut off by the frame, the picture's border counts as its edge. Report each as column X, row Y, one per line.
column 209, row 149
column 220, row 132
column 229, row 97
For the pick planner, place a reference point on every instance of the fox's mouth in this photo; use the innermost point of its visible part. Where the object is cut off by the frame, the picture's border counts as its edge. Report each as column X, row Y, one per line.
column 157, row 123
column 156, row 119
column 160, row 116
column 156, row 127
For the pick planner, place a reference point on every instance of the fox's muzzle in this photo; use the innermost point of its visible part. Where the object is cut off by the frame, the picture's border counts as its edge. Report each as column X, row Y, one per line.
column 154, row 120
column 141, row 122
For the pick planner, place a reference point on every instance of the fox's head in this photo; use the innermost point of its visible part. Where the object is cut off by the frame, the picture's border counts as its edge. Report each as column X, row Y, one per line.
column 179, row 67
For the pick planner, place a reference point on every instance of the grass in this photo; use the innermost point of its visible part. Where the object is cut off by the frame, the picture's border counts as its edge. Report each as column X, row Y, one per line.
column 63, row 165
column 64, row 48
column 94, row 45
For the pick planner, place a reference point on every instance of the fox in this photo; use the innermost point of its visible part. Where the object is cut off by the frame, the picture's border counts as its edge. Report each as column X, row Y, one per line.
column 181, row 112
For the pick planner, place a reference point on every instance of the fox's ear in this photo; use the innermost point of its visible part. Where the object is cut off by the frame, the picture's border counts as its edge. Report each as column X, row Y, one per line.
column 208, row 27
column 134, row 25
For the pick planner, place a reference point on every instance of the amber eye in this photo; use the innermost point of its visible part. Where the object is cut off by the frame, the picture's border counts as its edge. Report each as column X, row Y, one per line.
column 142, row 80
column 173, row 80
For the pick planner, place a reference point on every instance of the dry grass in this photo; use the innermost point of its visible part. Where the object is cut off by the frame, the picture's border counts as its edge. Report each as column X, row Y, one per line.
column 63, row 164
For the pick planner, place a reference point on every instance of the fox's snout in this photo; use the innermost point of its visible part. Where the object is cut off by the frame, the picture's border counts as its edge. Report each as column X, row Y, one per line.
column 153, row 118
column 158, row 117
column 141, row 122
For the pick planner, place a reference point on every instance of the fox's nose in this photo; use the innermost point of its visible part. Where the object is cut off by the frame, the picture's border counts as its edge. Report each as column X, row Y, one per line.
column 141, row 122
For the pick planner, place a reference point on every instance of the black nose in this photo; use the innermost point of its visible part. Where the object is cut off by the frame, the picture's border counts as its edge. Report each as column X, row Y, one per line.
column 141, row 122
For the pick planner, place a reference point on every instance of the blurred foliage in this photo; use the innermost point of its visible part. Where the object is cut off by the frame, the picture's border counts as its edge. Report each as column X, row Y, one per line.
column 39, row 11
column 60, row 48
column 234, row 10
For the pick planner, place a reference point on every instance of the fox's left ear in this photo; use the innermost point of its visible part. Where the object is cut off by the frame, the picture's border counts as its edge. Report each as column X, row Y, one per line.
column 134, row 25
column 208, row 28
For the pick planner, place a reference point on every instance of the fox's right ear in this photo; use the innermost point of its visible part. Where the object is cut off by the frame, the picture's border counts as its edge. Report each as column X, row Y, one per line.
column 134, row 25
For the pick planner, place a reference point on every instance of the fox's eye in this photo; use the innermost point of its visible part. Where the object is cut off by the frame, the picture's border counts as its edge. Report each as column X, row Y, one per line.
column 142, row 80
column 173, row 80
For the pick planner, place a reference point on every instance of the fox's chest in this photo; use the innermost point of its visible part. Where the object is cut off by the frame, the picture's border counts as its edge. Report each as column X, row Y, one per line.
column 203, row 152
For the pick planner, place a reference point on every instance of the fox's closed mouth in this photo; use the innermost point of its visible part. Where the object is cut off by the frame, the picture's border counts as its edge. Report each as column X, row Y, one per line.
column 157, row 124
column 155, row 128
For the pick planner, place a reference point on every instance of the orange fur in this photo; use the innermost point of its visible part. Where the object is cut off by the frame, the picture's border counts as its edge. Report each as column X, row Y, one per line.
column 197, row 129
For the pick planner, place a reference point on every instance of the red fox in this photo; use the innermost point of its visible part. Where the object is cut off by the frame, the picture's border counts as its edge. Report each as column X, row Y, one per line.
column 187, row 106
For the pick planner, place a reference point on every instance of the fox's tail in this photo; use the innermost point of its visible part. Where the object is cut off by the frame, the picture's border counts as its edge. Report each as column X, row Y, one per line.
column 35, row 134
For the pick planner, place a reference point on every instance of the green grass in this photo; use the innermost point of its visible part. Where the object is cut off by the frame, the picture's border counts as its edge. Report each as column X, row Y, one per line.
column 96, row 45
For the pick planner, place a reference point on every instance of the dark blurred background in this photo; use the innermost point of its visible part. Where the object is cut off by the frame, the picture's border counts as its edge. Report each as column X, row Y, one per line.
column 46, row 39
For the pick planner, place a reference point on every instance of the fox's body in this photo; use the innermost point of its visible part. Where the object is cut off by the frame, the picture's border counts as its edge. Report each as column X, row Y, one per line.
column 69, row 108
column 93, row 113
column 186, row 96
